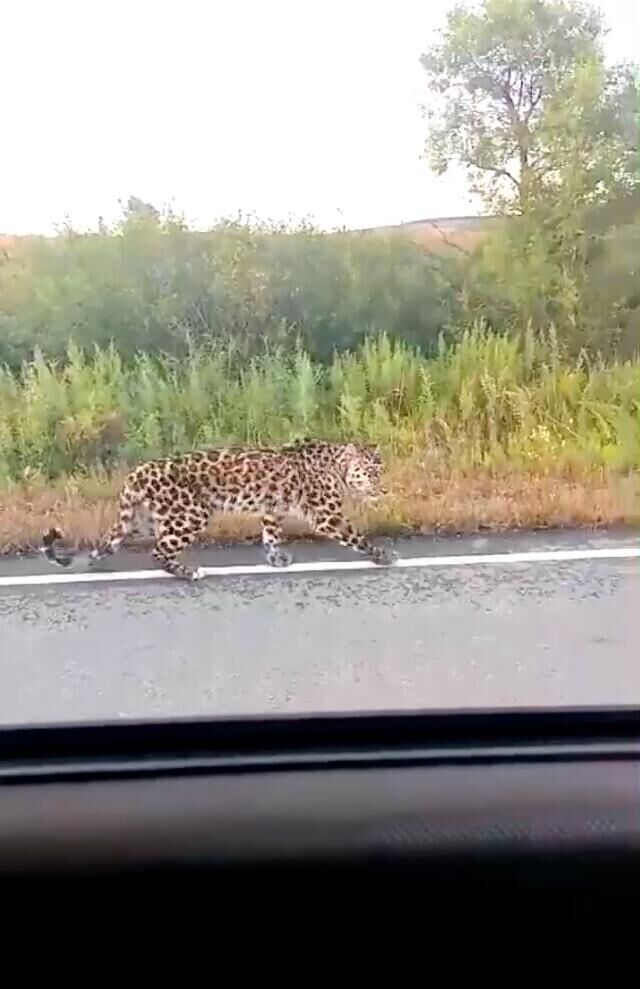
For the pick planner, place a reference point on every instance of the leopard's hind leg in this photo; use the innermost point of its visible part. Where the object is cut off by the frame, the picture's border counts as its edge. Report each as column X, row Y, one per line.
column 272, row 539
column 179, row 529
column 119, row 531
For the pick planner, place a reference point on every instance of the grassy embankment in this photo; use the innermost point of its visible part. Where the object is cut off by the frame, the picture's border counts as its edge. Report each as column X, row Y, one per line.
column 493, row 433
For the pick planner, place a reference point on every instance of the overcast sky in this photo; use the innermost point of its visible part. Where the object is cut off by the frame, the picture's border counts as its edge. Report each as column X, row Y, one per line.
column 282, row 108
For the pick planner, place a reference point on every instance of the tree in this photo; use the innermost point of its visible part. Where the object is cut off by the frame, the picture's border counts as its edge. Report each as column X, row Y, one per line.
column 523, row 99
column 138, row 209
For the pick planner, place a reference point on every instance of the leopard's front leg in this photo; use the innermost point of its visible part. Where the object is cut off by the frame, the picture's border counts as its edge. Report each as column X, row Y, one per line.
column 333, row 525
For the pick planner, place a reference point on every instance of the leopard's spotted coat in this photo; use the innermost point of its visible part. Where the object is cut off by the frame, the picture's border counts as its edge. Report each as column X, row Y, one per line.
column 309, row 479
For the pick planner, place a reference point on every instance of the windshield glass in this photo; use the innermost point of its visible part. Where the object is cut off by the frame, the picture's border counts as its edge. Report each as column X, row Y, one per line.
column 319, row 357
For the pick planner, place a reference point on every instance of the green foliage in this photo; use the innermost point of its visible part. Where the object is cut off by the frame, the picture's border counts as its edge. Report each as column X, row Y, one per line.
column 491, row 400
column 207, row 331
column 527, row 274
column 549, row 136
column 522, row 98
column 153, row 285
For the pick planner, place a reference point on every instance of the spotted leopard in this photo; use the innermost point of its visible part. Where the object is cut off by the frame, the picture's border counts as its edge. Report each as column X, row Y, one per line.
column 308, row 479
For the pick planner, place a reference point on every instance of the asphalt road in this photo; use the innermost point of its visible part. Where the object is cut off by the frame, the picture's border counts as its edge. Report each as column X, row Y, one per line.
column 470, row 635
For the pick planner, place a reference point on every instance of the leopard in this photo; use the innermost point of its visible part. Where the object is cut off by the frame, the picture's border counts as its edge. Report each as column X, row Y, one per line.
column 306, row 478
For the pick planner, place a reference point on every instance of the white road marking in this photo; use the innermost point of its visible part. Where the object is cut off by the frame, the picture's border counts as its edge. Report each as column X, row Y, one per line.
column 328, row 566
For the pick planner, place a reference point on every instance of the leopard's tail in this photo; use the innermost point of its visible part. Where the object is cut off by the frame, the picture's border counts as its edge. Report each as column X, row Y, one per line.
column 49, row 550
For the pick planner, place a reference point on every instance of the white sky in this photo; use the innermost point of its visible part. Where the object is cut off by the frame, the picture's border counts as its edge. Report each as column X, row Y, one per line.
column 282, row 108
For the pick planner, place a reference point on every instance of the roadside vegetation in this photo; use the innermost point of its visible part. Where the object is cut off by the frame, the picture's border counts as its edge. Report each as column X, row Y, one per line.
column 492, row 431
column 501, row 374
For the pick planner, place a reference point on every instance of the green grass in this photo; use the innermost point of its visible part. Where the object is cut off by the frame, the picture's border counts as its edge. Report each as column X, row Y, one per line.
column 491, row 402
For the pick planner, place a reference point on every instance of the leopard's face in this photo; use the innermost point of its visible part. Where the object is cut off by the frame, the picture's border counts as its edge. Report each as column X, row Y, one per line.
column 363, row 475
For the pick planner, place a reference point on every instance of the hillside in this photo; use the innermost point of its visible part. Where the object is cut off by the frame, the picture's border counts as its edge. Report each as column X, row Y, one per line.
column 443, row 233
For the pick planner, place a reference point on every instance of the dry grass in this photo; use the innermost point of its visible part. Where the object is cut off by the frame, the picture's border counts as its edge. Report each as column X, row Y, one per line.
column 422, row 501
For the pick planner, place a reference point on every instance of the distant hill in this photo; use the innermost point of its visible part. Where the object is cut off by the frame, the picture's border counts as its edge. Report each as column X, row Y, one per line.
column 444, row 233
column 441, row 234
column 467, row 231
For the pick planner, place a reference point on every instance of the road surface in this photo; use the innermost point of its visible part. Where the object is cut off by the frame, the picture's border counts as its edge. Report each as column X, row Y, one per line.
column 473, row 632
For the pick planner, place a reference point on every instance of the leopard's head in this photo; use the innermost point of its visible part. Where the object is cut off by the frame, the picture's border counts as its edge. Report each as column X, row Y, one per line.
column 364, row 468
